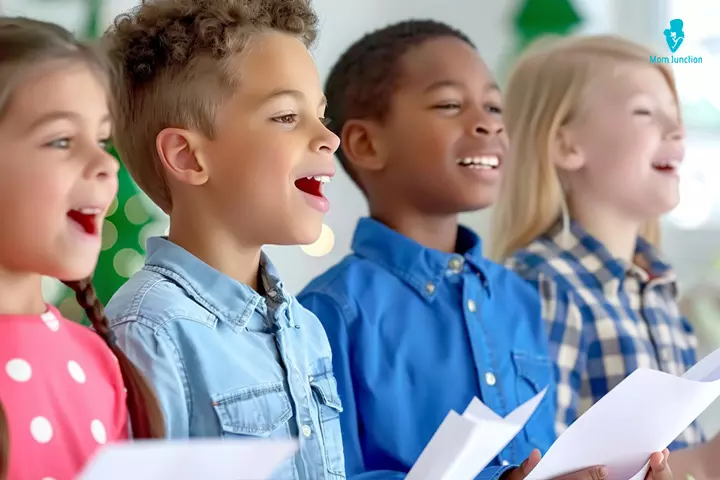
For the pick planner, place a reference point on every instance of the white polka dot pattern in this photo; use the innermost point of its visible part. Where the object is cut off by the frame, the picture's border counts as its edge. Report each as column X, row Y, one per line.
column 18, row 369
column 76, row 372
column 41, row 429
column 50, row 320
column 98, row 431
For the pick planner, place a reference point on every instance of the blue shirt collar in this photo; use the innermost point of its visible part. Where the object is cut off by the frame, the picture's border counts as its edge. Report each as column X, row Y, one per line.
column 224, row 297
column 420, row 267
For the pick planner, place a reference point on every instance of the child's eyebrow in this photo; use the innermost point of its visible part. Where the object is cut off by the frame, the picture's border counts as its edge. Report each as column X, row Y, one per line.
column 61, row 115
column 455, row 84
column 296, row 94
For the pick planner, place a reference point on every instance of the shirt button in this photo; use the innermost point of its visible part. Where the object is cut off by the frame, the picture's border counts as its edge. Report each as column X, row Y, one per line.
column 490, row 379
column 429, row 288
column 505, row 463
column 456, row 264
column 471, row 305
column 306, row 431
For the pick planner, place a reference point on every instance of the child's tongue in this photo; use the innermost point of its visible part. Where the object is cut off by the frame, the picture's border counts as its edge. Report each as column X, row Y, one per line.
column 309, row 185
column 86, row 221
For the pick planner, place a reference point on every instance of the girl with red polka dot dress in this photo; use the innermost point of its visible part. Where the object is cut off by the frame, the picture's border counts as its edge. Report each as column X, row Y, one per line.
column 64, row 389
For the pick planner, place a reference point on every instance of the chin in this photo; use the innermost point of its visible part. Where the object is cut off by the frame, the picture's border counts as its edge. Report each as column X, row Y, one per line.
column 475, row 204
column 78, row 270
column 304, row 233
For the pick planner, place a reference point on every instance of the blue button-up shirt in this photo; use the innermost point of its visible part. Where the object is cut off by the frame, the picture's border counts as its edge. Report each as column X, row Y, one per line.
column 416, row 333
column 228, row 362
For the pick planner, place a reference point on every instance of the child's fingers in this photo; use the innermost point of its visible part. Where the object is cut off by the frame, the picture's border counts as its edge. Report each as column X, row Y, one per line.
column 525, row 468
column 659, row 469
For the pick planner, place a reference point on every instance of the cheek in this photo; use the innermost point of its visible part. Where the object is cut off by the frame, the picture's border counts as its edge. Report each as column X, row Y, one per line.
column 622, row 153
column 426, row 142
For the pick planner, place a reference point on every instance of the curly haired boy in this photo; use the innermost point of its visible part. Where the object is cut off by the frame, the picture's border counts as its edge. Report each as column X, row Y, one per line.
column 219, row 113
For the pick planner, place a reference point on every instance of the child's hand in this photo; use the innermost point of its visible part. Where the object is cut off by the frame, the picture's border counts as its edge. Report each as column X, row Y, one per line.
column 659, row 468
column 593, row 473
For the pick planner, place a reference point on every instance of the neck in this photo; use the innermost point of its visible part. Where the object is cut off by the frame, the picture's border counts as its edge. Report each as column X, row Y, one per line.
column 438, row 232
column 204, row 237
column 617, row 233
column 21, row 293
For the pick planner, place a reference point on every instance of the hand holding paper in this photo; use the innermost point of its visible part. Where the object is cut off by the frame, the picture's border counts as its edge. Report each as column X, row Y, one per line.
column 659, row 469
column 465, row 444
column 642, row 415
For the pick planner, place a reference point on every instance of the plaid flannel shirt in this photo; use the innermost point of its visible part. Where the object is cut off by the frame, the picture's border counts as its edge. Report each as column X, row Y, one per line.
column 605, row 318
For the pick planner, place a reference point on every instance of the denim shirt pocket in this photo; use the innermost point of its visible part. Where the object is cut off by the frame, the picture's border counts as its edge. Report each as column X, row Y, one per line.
column 535, row 373
column 324, row 388
column 258, row 411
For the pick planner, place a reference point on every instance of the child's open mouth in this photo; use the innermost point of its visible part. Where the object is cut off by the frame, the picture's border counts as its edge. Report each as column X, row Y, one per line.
column 485, row 162
column 86, row 219
column 667, row 166
column 312, row 185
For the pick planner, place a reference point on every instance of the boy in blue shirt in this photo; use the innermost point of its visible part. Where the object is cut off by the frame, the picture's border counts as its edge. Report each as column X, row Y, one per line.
column 419, row 321
column 220, row 119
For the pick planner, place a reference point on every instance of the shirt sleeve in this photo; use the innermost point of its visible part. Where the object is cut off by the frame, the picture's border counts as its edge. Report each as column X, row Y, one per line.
column 564, row 323
column 154, row 354
column 334, row 320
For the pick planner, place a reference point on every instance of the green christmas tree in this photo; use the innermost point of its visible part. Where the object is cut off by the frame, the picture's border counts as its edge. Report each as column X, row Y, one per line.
column 130, row 220
column 537, row 18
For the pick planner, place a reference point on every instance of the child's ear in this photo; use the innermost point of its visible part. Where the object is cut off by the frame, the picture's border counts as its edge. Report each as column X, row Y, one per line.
column 362, row 145
column 566, row 152
column 179, row 153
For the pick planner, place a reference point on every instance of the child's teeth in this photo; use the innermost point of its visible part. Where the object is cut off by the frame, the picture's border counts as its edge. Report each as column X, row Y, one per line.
column 89, row 211
column 321, row 178
column 480, row 162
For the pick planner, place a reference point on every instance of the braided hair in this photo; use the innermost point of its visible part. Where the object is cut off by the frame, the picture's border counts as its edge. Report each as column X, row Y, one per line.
column 363, row 80
column 25, row 43
column 146, row 417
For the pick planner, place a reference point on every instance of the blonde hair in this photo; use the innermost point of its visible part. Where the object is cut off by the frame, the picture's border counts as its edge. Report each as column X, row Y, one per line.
column 173, row 69
column 545, row 91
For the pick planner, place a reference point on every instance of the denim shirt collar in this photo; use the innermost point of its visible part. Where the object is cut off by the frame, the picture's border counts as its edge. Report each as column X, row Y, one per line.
column 226, row 298
column 420, row 267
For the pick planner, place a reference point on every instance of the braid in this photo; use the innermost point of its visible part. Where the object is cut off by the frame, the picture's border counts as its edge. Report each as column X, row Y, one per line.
column 146, row 417
column 4, row 443
column 363, row 80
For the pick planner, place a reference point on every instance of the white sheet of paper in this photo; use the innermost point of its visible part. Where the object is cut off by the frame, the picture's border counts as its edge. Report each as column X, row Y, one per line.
column 189, row 460
column 463, row 445
column 640, row 416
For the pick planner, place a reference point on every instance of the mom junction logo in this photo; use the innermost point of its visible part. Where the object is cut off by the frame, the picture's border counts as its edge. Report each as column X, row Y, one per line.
column 675, row 37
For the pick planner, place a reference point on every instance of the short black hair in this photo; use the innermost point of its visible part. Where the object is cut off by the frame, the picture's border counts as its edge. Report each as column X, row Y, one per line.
column 363, row 80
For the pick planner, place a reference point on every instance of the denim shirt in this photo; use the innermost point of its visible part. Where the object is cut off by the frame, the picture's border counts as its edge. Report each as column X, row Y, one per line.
column 416, row 333
column 228, row 362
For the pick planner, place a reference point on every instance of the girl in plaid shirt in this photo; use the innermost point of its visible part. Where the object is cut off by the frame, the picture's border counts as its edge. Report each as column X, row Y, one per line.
column 596, row 142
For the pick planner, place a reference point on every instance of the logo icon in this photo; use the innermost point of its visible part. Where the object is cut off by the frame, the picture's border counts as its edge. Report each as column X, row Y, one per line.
column 674, row 36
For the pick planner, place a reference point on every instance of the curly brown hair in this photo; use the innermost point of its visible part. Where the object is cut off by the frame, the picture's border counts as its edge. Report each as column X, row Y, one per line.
column 173, row 69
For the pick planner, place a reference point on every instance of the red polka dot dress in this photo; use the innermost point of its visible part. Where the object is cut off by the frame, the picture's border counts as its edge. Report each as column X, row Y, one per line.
column 62, row 392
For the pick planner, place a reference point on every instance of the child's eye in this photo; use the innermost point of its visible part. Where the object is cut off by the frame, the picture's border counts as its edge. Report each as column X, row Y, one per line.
column 286, row 119
column 326, row 121
column 447, row 106
column 642, row 111
column 494, row 109
column 61, row 143
column 105, row 144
